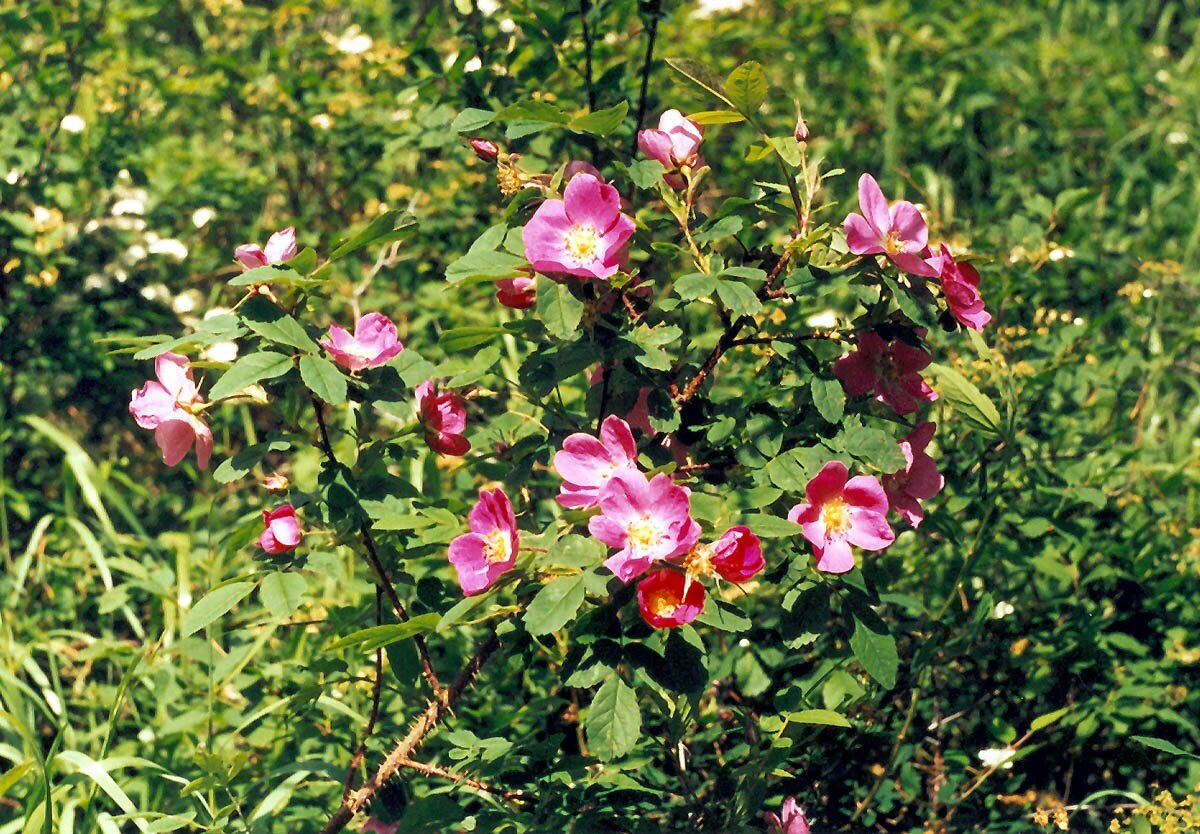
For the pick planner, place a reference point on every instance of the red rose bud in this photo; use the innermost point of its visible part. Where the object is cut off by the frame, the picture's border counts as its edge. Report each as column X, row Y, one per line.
column 801, row 132
column 485, row 149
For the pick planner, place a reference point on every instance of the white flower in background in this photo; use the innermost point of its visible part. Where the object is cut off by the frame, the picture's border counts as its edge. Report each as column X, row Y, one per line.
column 487, row 8
column 186, row 301
column 96, row 283
column 169, row 246
column 220, row 352
column 202, row 216
column 12, row 176
column 825, row 318
column 136, row 253
column 129, row 205
column 1000, row 757
column 354, row 41
column 508, row 26
column 1002, row 610
column 156, row 292
column 41, row 215
column 72, row 123
column 321, row 121
column 708, row 8
column 473, row 65
column 1176, row 137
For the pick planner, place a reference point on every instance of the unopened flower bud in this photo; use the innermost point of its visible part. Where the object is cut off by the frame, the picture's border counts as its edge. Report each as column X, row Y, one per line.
column 485, row 149
column 801, row 132
column 276, row 483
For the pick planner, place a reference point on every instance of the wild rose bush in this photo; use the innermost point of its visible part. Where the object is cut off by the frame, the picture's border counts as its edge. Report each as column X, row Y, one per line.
column 625, row 508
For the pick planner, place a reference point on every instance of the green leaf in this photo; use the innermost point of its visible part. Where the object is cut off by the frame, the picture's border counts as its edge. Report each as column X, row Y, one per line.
column 874, row 447
column 1163, row 745
column 614, row 721
column 1043, row 721
column 266, row 319
column 555, row 604
column 465, row 338
column 575, row 551
column 717, row 117
column 646, row 173
column 700, row 75
column 875, row 649
column 267, row 275
column 725, row 227
column 829, row 397
column 771, row 526
column 280, row 593
column 389, row 226
column 969, row 402
column 238, row 466
column 249, row 369
column 601, row 122
column 472, row 119
column 740, row 299
column 216, row 603
column 324, row 379
column 826, row 717
column 376, row 637
column 485, row 265
column 724, row 617
column 696, row 285
column 558, row 309
column 746, row 87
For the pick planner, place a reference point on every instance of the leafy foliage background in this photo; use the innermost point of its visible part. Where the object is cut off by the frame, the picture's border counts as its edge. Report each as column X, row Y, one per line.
column 1056, row 138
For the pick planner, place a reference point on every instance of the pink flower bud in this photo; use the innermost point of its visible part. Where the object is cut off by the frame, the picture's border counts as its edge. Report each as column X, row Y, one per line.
column 485, row 149
column 801, row 132
column 445, row 419
column 789, row 820
column 517, row 293
column 374, row 342
column 282, row 531
column 275, row 483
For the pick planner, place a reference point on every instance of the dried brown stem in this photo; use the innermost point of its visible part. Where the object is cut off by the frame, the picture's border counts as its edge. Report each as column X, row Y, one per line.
column 437, row 708
column 376, row 696
column 729, row 337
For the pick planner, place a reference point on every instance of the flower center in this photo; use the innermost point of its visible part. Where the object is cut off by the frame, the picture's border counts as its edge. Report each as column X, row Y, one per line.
column 581, row 242
column 699, row 561
column 662, row 606
column 496, row 547
column 642, row 533
column 892, row 242
column 836, row 515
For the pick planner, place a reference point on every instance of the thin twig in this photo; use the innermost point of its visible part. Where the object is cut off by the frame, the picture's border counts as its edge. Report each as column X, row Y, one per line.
column 437, row 708
column 653, row 9
column 585, row 6
column 728, row 338
column 368, row 542
column 433, row 770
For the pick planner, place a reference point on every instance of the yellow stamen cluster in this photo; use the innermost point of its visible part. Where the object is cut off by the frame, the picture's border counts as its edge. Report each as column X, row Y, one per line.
column 699, row 561
column 836, row 515
column 496, row 547
column 642, row 533
column 582, row 242
column 1165, row 814
column 892, row 243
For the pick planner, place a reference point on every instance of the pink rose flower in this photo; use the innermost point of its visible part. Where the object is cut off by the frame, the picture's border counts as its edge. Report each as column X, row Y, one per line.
column 668, row 600
column 675, row 144
column 445, row 419
column 374, row 342
column 890, row 369
column 840, row 513
column 281, row 247
column 583, row 234
column 960, row 286
column 918, row 481
column 482, row 555
column 375, row 826
column 282, row 531
column 899, row 233
column 737, row 555
column 585, row 464
column 789, row 820
column 517, row 293
column 649, row 520
column 171, row 407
